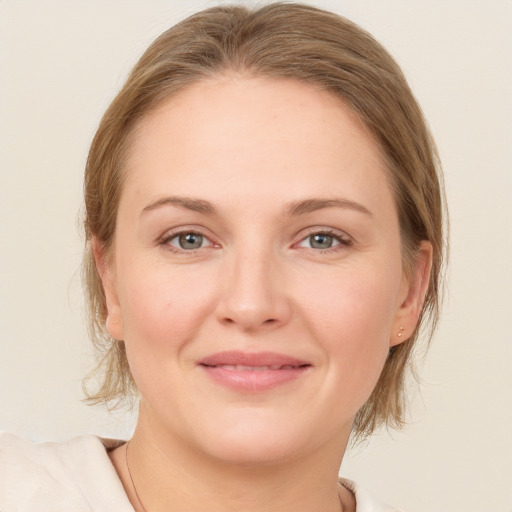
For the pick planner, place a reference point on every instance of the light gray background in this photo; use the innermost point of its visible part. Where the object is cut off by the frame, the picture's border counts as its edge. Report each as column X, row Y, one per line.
column 61, row 63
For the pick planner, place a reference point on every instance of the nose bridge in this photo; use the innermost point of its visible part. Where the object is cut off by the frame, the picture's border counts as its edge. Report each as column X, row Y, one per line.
column 254, row 294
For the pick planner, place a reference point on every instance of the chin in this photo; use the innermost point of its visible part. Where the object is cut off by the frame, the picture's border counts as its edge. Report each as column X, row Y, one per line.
column 256, row 439
column 254, row 449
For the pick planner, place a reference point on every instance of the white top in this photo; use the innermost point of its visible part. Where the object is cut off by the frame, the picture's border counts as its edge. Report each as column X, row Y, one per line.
column 78, row 476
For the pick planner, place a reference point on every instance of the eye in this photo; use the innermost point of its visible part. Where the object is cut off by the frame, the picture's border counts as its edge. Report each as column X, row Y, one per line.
column 187, row 241
column 324, row 240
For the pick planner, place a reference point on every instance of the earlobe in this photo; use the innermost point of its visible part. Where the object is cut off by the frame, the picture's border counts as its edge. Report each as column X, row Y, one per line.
column 409, row 311
column 114, row 320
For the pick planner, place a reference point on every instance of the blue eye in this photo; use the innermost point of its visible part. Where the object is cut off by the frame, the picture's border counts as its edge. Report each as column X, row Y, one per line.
column 322, row 241
column 187, row 241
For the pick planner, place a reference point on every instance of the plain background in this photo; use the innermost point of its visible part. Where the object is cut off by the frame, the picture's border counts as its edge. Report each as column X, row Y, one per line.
column 61, row 64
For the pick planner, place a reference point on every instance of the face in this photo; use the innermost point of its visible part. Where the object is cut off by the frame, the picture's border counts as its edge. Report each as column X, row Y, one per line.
column 256, row 275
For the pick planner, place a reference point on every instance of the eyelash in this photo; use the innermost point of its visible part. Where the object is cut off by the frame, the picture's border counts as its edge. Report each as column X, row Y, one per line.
column 166, row 239
column 343, row 241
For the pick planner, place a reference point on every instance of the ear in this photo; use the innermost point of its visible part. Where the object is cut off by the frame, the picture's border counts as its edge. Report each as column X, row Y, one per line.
column 106, row 270
column 412, row 295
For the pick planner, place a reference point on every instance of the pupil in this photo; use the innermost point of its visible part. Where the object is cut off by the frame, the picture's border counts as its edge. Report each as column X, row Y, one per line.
column 191, row 241
column 321, row 241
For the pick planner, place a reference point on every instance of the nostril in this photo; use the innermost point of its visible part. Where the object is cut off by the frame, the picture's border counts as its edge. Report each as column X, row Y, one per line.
column 269, row 321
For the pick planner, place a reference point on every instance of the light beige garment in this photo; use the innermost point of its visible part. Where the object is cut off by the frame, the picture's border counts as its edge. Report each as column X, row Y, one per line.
column 78, row 476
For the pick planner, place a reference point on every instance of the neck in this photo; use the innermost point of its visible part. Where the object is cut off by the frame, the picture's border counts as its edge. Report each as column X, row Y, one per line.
column 166, row 472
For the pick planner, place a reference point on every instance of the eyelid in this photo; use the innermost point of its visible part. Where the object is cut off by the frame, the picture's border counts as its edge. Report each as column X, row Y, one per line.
column 180, row 230
column 342, row 237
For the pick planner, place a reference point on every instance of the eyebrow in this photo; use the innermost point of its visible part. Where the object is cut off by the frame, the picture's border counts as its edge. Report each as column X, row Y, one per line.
column 310, row 205
column 293, row 209
column 196, row 205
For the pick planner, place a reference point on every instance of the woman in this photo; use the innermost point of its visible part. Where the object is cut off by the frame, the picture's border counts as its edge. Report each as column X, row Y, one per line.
column 264, row 241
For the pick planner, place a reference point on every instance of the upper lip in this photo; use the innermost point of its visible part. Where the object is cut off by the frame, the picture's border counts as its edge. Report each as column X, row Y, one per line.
column 256, row 359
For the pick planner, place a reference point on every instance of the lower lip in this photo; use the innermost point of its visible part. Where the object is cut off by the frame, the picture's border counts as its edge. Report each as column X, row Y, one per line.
column 253, row 381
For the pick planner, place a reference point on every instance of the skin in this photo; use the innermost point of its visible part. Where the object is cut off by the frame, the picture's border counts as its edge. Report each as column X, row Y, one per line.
column 251, row 147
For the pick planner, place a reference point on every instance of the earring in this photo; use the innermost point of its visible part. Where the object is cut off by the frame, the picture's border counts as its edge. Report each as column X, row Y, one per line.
column 401, row 331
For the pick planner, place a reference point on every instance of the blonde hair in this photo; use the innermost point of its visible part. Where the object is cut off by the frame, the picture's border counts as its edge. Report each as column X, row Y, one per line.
column 283, row 41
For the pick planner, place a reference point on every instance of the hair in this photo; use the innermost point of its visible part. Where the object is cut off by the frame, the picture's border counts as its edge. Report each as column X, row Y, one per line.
column 279, row 40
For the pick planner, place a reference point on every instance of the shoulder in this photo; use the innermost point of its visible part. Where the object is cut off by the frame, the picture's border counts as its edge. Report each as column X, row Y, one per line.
column 74, row 475
column 365, row 501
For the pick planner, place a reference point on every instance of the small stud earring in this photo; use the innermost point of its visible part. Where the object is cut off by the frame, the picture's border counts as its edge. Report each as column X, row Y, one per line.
column 401, row 331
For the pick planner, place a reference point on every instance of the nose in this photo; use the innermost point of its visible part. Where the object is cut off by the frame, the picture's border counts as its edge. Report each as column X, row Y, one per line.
column 254, row 295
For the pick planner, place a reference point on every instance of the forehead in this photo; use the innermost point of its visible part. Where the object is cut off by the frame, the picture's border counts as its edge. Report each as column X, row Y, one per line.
column 279, row 137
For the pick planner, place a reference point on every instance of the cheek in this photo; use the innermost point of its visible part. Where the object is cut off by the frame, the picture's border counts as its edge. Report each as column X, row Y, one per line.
column 162, row 310
column 355, row 303
column 352, row 319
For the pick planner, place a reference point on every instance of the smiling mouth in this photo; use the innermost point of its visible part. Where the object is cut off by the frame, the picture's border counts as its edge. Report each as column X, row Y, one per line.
column 253, row 372
column 245, row 368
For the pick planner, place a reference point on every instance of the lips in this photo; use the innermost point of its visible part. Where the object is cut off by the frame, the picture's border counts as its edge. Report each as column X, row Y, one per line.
column 252, row 372
column 245, row 368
